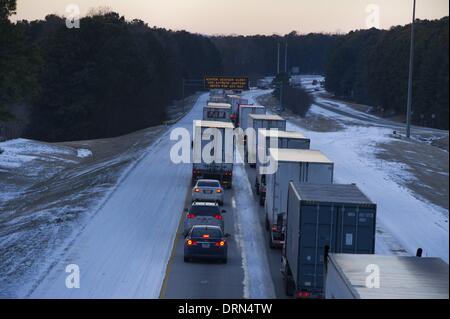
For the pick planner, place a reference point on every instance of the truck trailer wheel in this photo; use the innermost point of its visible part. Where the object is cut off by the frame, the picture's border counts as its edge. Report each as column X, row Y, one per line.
column 289, row 284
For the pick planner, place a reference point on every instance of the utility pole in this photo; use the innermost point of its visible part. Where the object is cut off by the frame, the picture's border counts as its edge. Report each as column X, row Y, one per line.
column 182, row 92
column 285, row 58
column 410, row 78
column 278, row 59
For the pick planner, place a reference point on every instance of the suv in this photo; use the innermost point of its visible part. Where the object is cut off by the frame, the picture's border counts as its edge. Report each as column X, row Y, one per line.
column 204, row 241
column 203, row 213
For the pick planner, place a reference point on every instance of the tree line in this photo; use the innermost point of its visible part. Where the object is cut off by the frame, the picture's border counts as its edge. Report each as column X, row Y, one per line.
column 112, row 76
column 371, row 67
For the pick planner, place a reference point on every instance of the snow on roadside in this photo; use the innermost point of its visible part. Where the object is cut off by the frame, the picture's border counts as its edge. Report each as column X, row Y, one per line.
column 257, row 283
column 412, row 222
column 82, row 153
column 19, row 151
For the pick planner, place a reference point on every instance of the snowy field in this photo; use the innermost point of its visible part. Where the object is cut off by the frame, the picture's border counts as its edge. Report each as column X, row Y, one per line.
column 405, row 222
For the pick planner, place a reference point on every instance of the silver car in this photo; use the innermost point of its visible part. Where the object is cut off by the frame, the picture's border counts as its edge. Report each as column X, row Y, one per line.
column 208, row 190
column 203, row 213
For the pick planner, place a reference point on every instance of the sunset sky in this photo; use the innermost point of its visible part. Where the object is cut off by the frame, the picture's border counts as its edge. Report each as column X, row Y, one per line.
column 248, row 16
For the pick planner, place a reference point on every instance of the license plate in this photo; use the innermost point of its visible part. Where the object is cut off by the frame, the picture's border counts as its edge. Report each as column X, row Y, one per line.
column 208, row 191
column 205, row 245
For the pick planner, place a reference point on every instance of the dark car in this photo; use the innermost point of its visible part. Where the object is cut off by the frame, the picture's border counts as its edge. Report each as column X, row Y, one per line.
column 205, row 241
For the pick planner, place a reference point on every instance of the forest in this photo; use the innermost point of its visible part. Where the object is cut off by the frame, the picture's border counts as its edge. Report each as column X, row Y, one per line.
column 112, row 76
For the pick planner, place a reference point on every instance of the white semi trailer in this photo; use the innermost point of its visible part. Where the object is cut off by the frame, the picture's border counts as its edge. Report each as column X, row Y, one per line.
column 245, row 110
column 302, row 166
column 400, row 277
column 285, row 140
column 217, row 139
column 217, row 112
column 257, row 122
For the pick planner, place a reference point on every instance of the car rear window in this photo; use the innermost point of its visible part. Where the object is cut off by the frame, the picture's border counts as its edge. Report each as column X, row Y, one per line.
column 205, row 210
column 208, row 184
column 212, row 232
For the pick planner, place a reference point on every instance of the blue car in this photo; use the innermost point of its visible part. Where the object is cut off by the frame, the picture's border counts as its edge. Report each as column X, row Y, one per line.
column 205, row 241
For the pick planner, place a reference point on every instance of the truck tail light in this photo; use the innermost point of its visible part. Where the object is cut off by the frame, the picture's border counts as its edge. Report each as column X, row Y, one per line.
column 190, row 216
column 218, row 217
column 302, row 294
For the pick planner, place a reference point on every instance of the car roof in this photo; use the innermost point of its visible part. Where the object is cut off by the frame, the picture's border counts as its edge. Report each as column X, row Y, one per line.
column 208, row 180
column 207, row 226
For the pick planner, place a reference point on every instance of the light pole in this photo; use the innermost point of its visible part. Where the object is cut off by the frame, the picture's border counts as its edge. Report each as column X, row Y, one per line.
column 278, row 59
column 410, row 78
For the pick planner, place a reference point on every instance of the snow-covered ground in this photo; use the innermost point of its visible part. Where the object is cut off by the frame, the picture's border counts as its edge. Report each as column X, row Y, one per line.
column 405, row 222
column 123, row 251
column 257, row 282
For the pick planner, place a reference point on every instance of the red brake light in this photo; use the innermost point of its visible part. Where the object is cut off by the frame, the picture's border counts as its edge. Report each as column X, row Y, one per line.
column 218, row 190
column 197, row 190
column 220, row 243
column 205, row 236
column 218, row 217
column 302, row 294
column 190, row 215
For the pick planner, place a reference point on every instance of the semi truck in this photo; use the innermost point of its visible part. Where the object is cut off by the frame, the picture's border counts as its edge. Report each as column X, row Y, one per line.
column 400, row 277
column 245, row 110
column 262, row 121
column 217, row 112
column 303, row 166
column 289, row 140
column 220, row 167
column 323, row 219
column 235, row 101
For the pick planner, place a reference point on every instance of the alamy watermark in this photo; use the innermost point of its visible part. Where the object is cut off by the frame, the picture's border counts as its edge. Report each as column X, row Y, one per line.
column 213, row 145
column 73, row 279
column 73, row 16
column 373, row 16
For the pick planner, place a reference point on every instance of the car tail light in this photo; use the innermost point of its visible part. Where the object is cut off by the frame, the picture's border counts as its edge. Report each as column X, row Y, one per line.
column 220, row 243
column 191, row 242
column 218, row 217
column 205, row 236
column 190, row 215
column 197, row 190
column 302, row 294
column 218, row 190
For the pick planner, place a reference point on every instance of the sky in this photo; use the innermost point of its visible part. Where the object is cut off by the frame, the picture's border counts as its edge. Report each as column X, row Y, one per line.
column 248, row 17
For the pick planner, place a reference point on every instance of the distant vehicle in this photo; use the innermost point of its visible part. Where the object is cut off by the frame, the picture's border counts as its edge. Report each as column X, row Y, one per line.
column 221, row 167
column 204, row 241
column 217, row 112
column 208, row 190
column 203, row 213
column 263, row 121
column 322, row 218
column 245, row 110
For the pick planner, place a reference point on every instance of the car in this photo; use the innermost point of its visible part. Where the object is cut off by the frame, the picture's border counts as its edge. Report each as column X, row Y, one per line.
column 208, row 190
column 203, row 213
column 206, row 241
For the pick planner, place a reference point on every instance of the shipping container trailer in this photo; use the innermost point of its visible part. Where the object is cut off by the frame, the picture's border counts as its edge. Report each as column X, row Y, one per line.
column 217, row 112
column 285, row 140
column 221, row 166
column 262, row 121
column 334, row 218
column 245, row 110
column 303, row 166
